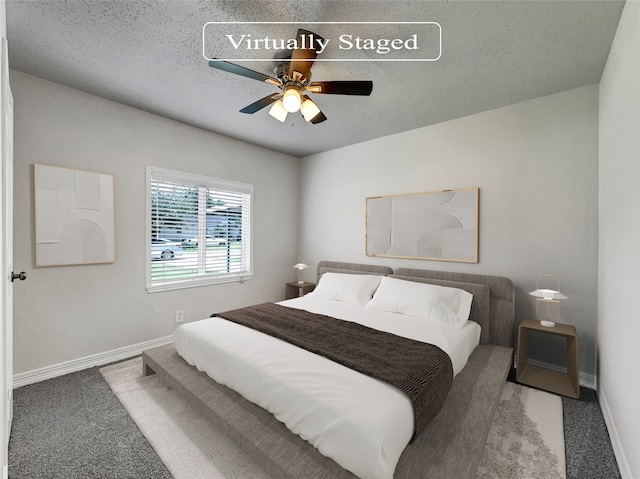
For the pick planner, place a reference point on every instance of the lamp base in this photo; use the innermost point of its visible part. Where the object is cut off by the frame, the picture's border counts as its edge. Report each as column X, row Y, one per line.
column 300, row 281
column 548, row 324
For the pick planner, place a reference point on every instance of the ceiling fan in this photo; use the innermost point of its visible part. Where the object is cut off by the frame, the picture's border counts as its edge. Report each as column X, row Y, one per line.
column 293, row 77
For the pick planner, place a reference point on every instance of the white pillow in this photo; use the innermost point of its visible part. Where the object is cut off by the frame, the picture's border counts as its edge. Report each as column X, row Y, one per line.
column 347, row 288
column 404, row 297
column 452, row 307
column 446, row 306
column 458, row 300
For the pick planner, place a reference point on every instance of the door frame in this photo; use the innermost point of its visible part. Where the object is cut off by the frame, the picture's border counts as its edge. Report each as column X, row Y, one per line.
column 6, row 259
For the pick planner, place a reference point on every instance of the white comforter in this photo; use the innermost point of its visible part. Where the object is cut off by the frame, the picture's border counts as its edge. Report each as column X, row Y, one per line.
column 361, row 423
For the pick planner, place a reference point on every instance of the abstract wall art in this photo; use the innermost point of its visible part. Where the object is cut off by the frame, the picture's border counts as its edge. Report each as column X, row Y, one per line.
column 74, row 222
column 439, row 225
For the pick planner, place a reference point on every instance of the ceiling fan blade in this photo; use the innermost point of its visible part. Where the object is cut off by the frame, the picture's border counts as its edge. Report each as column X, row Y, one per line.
column 302, row 58
column 342, row 87
column 319, row 118
column 260, row 104
column 245, row 72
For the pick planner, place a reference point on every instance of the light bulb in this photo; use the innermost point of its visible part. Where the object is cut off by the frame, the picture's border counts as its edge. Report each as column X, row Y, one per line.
column 291, row 100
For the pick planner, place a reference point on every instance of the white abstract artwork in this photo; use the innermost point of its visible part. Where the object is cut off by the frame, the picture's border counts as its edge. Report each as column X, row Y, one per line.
column 441, row 225
column 74, row 220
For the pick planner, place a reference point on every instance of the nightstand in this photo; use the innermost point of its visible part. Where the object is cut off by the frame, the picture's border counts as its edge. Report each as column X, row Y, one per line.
column 558, row 382
column 295, row 289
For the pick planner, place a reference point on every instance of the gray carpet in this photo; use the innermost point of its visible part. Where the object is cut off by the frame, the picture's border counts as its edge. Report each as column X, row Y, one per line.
column 587, row 446
column 73, row 427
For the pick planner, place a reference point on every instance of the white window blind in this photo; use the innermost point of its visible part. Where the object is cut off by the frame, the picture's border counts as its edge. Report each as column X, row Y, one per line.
column 198, row 230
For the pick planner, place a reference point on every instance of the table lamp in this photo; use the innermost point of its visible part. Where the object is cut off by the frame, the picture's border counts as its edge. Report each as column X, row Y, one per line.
column 547, row 296
column 300, row 267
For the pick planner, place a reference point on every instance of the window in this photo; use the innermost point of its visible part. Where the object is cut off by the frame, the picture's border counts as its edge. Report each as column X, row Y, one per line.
column 198, row 230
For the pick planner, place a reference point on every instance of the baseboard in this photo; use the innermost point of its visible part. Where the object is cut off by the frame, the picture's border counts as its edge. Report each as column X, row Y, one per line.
column 100, row 359
column 585, row 380
column 623, row 465
column 10, row 418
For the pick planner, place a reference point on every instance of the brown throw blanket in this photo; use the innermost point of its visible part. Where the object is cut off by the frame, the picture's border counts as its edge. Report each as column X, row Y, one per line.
column 422, row 371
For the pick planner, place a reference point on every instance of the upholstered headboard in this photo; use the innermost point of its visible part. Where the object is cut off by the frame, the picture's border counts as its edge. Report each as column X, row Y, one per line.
column 493, row 306
column 352, row 268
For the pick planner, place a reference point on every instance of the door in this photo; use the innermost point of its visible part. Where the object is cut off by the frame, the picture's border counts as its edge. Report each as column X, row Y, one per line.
column 6, row 260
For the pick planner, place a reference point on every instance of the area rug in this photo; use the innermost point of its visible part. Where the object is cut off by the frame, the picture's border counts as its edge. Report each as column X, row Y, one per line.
column 525, row 441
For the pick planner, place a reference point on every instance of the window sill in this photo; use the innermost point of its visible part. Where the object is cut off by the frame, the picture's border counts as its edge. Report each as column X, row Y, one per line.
column 198, row 282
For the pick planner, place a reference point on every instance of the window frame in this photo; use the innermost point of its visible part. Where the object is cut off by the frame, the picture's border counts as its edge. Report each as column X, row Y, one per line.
column 155, row 173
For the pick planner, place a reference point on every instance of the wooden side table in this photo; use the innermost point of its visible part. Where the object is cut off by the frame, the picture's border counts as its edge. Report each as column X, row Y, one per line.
column 295, row 289
column 558, row 382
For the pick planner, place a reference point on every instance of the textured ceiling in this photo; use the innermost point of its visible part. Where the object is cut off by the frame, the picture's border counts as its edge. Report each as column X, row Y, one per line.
column 149, row 55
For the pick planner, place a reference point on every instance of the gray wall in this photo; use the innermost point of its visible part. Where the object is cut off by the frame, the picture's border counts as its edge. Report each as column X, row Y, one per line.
column 536, row 164
column 66, row 313
column 619, row 272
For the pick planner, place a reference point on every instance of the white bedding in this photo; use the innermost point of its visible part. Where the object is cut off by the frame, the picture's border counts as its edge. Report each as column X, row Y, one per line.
column 361, row 423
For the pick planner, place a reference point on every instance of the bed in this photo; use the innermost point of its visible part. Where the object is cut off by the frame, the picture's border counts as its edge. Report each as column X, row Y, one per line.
column 452, row 442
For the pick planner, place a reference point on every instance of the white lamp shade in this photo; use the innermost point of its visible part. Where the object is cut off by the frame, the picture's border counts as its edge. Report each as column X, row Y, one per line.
column 309, row 109
column 278, row 112
column 291, row 100
column 548, row 294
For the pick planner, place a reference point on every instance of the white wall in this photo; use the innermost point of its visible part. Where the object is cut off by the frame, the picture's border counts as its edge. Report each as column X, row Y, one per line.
column 619, row 270
column 3, row 19
column 66, row 313
column 536, row 164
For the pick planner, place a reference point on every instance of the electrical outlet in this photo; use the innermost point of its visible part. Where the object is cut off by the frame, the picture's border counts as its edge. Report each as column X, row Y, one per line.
column 179, row 316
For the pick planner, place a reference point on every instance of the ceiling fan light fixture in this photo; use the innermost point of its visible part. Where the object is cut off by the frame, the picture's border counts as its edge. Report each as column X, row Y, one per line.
column 291, row 100
column 293, row 78
column 309, row 109
column 278, row 111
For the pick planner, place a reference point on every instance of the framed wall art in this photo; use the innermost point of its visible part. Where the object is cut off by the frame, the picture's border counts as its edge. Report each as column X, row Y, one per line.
column 74, row 222
column 439, row 225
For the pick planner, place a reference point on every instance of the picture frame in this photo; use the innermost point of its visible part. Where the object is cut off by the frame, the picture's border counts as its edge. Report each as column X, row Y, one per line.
column 74, row 216
column 436, row 226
